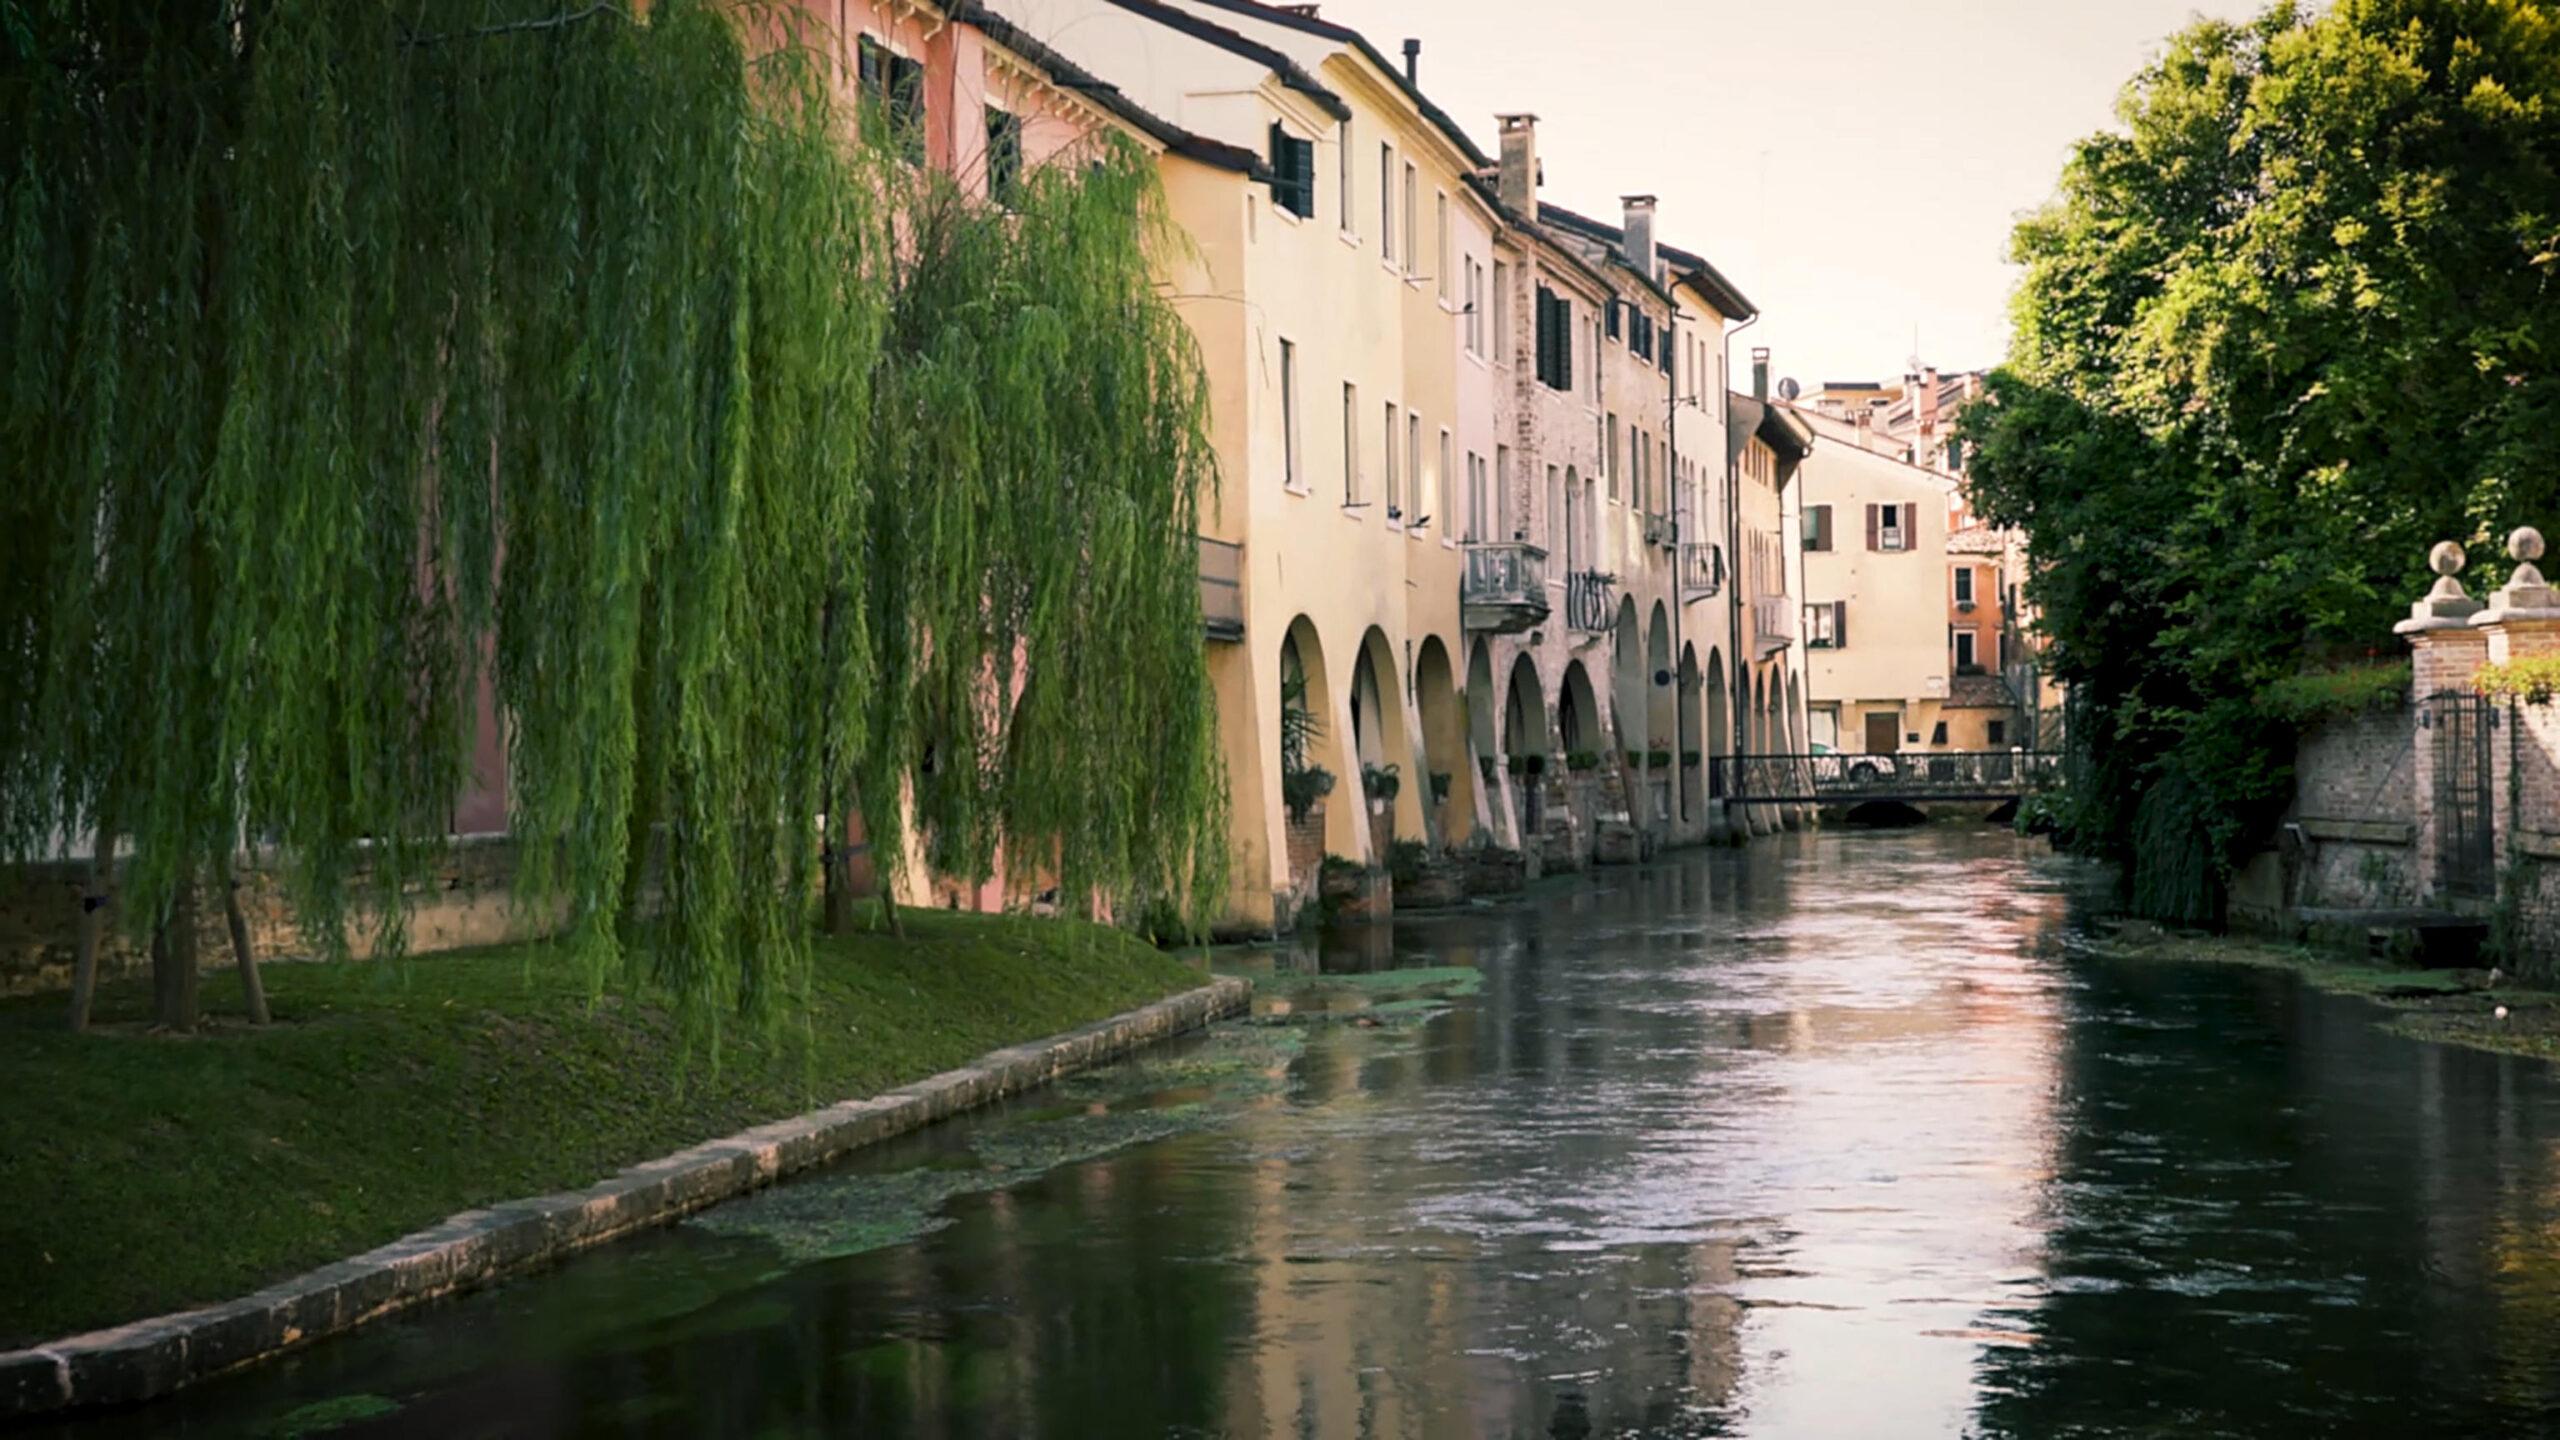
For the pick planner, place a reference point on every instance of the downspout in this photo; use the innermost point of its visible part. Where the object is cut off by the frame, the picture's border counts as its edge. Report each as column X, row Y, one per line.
column 1739, row 678
column 1679, row 602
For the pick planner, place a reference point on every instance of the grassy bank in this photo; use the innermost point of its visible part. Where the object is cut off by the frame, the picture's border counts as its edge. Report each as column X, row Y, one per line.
column 2454, row 1007
column 147, row 1173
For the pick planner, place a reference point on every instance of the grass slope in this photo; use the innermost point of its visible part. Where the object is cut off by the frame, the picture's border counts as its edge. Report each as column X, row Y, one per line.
column 147, row 1173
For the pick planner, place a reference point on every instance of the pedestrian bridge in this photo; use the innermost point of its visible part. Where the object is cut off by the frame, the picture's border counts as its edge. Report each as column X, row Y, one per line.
column 1947, row 776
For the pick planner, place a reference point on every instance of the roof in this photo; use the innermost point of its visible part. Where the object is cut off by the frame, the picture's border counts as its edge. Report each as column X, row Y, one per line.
column 1528, row 232
column 1309, row 24
column 1291, row 73
column 1980, row 692
column 1775, row 425
column 1710, row 282
column 1070, row 76
column 1610, row 238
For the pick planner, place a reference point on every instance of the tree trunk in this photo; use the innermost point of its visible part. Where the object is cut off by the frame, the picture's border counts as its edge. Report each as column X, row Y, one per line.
column 93, row 927
column 252, row 989
column 173, row 962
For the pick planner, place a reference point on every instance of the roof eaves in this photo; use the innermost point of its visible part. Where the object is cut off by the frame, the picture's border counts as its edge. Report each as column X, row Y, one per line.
column 1070, row 76
column 1309, row 24
column 1291, row 73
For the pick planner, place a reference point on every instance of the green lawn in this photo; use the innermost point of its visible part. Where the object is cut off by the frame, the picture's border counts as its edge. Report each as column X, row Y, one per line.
column 140, row 1173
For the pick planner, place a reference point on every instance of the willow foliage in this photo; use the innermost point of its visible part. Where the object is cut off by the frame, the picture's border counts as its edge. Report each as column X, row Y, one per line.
column 357, row 356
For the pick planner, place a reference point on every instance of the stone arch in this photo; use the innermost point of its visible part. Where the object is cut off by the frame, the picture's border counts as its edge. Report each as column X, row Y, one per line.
column 1628, row 713
column 1719, row 724
column 1444, row 744
column 1383, row 739
column 1662, row 719
column 1690, row 740
column 1306, row 686
column 1526, row 746
column 1578, row 712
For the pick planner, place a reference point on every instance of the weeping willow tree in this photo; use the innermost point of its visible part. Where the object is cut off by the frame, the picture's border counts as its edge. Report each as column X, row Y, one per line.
column 356, row 357
column 1041, row 445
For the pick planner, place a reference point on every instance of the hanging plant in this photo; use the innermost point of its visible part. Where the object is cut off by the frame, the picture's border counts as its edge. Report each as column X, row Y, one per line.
column 1301, row 790
column 1439, row 786
column 1580, row 761
column 1380, row 782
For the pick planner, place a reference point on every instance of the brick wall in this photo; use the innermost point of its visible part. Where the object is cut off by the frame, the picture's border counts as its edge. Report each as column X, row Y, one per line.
column 466, row 903
column 2355, row 809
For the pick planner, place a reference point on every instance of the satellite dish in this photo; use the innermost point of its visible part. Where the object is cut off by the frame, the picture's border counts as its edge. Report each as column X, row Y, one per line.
column 1788, row 389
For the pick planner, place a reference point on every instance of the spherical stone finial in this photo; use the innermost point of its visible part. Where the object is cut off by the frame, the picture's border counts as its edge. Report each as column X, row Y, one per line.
column 2524, row 543
column 2447, row 559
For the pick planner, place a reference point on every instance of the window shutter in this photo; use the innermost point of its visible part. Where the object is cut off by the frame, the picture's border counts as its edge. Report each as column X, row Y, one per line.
column 1826, row 527
column 1840, row 624
column 1910, row 527
column 1875, row 527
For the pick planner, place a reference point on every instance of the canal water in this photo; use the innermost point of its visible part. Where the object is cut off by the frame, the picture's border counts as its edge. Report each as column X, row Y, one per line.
column 1842, row 1135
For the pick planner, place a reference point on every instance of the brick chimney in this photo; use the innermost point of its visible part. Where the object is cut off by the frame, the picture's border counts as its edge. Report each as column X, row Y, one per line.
column 1924, row 403
column 1638, row 242
column 1518, row 186
column 1760, row 372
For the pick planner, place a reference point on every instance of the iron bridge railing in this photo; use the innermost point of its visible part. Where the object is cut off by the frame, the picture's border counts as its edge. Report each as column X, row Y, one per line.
column 1855, row 779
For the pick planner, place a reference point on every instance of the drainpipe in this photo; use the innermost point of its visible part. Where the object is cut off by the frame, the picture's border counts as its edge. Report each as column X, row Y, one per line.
column 1739, row 678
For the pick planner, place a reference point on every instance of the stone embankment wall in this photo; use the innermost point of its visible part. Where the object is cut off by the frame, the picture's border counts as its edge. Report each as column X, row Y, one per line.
column 2350, row 839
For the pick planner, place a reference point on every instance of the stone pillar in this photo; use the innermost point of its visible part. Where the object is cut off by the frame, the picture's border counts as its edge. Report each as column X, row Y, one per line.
column 2445, row 652
column 2520, row 622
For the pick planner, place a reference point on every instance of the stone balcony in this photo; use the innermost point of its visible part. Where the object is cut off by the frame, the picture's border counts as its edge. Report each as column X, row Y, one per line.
column 1504, row 590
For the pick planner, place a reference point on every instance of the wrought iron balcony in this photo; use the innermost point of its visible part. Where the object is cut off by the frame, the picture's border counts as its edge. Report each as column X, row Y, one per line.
column 1587, row 597
column 1701, row 570
column 1505, row 586
column 1221, row 589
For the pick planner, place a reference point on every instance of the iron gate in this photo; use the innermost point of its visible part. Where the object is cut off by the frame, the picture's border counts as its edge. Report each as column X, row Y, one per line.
column 2466, row 863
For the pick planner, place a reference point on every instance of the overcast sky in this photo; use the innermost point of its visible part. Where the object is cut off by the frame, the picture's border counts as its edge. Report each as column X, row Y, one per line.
column 1853, row 166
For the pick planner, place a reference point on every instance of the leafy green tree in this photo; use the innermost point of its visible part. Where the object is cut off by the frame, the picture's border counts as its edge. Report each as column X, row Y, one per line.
column 354, row 357
column 2289, row 325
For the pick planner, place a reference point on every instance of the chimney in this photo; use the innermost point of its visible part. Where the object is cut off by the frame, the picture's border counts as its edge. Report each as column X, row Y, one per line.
column 1519, row 183
column 1760, row 372
column 1924, row 402
column 1412, row 61
column 1638, row 243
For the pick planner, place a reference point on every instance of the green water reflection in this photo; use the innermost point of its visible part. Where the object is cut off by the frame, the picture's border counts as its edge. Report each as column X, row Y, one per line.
column 1838, row 1136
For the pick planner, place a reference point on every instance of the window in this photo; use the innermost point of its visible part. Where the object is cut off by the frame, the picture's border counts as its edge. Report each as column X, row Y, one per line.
column 1664, row 352
column 1004, row 155
column 1412, row 224
column 1938, row 733
column 1475, row 306
column 1817, row 527
column 1289, row 475
column 1350, row 443
column 1609, row 461
column 894, row 86
column 1555, row 340
column 1591, row 347
column 1966, row 664
column 1479, row 501
column 1996, row 732
column 1892, row 527
column 1415, row 496
column 1826, row 625
column 1614, row 326
column 1502, row 312
column 1955, row 455
column 1438, row 494
column 1395, row 490
column 1505, row 522
column 1441, row 271
column 1964, row 585
column 1555, row 509
column 1387, row 202
column 1293, row 172
column 1342, row 162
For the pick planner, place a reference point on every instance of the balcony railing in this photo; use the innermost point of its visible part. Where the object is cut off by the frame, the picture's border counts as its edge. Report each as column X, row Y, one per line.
column 1221, row 589
column 1701, row 570
column 1587, row 594
column 1773, row 623
column 1505, row 586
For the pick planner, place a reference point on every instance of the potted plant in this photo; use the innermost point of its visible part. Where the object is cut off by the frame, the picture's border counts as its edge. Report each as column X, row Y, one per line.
column 1658, row 759
column 1440, row 787
column 1301, row 789
column 1582, row 760
column 1689, row 759
column 1380, row 782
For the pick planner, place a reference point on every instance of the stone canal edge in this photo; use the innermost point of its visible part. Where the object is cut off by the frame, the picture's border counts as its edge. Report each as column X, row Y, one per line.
column 150, row 1358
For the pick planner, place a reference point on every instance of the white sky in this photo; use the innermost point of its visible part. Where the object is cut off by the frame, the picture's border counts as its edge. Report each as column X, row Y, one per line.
column 1853, row 166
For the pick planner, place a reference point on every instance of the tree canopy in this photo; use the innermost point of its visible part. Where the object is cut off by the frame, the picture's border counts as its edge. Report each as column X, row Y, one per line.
column 353, row 355
column 2290, row 324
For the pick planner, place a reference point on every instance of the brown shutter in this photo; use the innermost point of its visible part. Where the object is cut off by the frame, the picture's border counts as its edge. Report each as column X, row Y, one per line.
column 1825, row 520
column 1910, row 527
column 1875, row 524
column 1840, row 624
